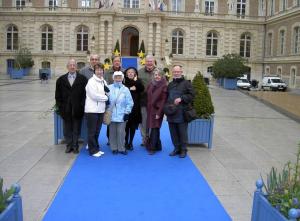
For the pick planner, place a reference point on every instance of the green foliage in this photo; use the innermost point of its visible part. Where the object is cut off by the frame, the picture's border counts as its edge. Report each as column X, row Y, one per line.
column 117, row 46
column 107, row 60
column 23, row 59
column 202, row 102
column 142, row 47
column 4, row 196
column 230, row 66
column 283, row 188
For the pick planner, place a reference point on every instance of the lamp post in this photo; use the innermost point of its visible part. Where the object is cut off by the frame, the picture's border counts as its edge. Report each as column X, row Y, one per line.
column 93, row 44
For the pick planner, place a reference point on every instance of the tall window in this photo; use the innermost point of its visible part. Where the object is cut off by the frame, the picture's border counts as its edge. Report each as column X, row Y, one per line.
column 297, row 40
column 176, row 5
column 261, row 10
column 298, row 2
column 131, row 3
column 86, row 3
column 47, row 38
column 245, row 45
column 272, row 7
column 82, row 39
column 281, row 41
column 269, row 44
column 209, row 7
column 12, row 38
column 52, row 4
column 209, row 70
column 241, row 8
column 177, row 42
column 212, row 44
column 20, row 4
column 283, row 5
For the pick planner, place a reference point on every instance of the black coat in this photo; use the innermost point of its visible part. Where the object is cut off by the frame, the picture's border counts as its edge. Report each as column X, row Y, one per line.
column 70, row 100
column 180, row 88
column 135, row 116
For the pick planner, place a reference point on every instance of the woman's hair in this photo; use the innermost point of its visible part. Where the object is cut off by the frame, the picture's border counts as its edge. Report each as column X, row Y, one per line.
column 98, row 66
column 133, row 68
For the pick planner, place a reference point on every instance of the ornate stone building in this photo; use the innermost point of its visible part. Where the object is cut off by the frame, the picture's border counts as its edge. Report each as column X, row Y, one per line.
column 195, row 32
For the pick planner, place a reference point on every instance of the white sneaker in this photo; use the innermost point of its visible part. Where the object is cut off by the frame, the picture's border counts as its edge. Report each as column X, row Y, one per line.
column 98, row 154
column 87, row 147
column 101, row 152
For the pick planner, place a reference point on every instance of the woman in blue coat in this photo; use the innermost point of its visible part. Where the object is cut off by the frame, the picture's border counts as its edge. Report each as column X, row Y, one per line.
column 121, row 104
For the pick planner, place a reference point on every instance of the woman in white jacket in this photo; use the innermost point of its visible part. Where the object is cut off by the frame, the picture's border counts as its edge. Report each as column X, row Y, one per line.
column 95, row 102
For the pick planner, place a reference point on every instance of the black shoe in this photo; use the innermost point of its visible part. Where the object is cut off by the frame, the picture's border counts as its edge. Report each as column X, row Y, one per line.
column 123, row 152
column 107, row 143
column 174, row 153
column 76, row 150
column 69, row 149
column 182, row 154
column 114, row 152
column 129, row 146
column 151, row 152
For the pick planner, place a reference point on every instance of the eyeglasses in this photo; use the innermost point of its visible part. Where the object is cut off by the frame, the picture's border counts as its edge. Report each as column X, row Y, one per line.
column 94, row 59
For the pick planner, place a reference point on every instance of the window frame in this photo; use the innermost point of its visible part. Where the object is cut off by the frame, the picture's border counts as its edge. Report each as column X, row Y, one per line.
column 241, row 7
column 282, row 40
column 245, row 43
column 178, row 39
column 131, row 3
column 82, row 37
column 212, row 48
column 47, row 36
column 296, row 39
column 209, row 9
column 13, row 39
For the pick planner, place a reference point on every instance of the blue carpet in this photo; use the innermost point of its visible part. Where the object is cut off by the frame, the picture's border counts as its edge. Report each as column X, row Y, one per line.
column 136, row 187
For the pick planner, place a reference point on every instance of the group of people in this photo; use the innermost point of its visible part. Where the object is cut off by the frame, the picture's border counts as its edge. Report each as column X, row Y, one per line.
column 135, row 98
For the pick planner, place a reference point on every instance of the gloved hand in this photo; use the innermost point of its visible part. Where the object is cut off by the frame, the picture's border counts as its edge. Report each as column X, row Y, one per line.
column 106, row 89
column 126, row 117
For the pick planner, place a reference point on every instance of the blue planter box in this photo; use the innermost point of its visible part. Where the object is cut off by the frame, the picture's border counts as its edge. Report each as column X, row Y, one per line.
column 201, row 131
column 230, row 83
column 262, row 210
column 17, row 74
column 13, row 211
column 26, row 71
column 59, row 132
column 220, row 81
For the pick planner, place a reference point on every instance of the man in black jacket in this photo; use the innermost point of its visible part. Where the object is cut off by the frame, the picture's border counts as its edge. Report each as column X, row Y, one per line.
column 181, row 94
column 70, row 99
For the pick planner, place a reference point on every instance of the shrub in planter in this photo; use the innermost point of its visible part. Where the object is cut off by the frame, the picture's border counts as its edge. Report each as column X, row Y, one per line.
column 202, row 101
column 283, row 188
column 23, row 59
column 4, row 196
column 201, row 130
column 229, row 66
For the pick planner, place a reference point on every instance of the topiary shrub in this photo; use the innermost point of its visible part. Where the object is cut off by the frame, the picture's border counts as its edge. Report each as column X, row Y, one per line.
column 117, row 46
column 142, row 47
column 23, row 59
column 202, row 101
column 229, row 66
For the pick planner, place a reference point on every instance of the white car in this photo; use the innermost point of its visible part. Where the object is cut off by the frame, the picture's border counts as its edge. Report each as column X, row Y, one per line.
column 243, row 84
column 273, row 83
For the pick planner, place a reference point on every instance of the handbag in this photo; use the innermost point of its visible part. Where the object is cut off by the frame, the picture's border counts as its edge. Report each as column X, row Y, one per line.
column 108, row 112
column 190, row 114
column 170, row 109
column 107, row 116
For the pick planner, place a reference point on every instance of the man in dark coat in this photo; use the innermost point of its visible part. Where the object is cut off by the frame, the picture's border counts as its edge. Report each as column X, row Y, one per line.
column 70, row 99
column 181, row 94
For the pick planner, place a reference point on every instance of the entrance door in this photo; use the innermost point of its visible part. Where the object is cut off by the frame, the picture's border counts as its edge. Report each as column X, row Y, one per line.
column 130, row 42
column 9, row 65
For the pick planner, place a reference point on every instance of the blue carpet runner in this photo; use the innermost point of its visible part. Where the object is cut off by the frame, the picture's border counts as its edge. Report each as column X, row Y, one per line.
column 136, row 187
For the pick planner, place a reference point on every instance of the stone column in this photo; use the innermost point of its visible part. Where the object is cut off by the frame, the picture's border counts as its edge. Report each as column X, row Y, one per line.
column 150, row 37
column 158, row 40
column 101, row 40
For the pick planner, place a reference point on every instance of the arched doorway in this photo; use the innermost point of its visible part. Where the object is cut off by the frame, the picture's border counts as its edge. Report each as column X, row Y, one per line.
column 130, row 41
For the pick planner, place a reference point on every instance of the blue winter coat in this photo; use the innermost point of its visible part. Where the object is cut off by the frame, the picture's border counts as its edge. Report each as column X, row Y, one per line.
column 124, row 103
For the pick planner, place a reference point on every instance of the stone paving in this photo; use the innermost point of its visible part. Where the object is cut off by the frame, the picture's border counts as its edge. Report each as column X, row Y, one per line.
column 249, row 138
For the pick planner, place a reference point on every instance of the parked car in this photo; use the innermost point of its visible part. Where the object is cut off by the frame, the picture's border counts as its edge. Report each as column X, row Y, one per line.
column 273, row 83
column 243, row 84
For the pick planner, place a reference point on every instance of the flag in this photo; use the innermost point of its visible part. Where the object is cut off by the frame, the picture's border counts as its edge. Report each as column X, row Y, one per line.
column 100, row 4
column 151, row 4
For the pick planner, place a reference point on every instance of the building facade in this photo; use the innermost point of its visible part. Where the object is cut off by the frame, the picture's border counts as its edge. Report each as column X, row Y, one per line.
column 194, row 33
